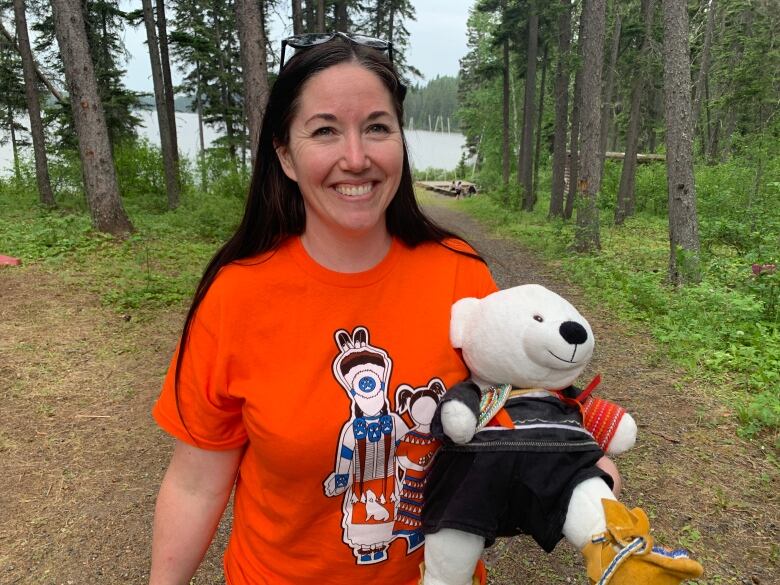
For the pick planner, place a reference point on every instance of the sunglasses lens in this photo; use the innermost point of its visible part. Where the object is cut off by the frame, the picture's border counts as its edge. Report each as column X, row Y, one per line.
column 368, row 41
column 308, row 40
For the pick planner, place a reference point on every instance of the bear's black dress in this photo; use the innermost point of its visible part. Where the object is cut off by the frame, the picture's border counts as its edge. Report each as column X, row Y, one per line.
column 506, row 482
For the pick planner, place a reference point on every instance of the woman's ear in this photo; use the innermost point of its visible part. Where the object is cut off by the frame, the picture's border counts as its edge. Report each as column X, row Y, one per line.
column 283, row 153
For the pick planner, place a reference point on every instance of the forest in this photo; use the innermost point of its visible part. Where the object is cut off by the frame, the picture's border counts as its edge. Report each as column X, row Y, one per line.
column 590, row 122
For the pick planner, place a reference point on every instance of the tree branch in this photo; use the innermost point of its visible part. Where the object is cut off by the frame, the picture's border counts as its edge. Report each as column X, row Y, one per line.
column 45, row 80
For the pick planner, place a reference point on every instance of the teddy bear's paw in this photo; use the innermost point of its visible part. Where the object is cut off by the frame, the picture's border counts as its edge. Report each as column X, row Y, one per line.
column 458, row 422
column 624, row 437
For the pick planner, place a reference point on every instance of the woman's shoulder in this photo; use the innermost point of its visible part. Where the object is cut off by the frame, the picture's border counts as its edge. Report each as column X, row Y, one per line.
column 249, row 273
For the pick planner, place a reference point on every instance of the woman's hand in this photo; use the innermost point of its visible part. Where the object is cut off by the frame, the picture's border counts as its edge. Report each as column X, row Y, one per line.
column 606, row 464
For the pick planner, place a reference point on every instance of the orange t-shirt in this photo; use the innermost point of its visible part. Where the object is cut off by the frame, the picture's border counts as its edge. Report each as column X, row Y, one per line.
column 303, row 365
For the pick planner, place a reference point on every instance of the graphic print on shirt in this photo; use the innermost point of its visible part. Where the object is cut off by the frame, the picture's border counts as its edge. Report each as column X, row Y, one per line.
column 365, row 458
column 414, row 456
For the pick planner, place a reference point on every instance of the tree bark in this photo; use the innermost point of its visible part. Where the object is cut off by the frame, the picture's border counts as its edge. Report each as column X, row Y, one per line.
column 587, row 237
column 505, row 162
column 379, row 18
column 201, row 137
column 165, row 61
column 626, row 198
column 33, row 107
column 297, row 17
column 341, row 16
column 561, row 110
column 609, row 85
column 97, row 162
column 683, row 224
column 539, row 119
column 169, row 161
column 14, row 144
column 320, row 15
column 574, row 160
column 704, row 65
column 251, row 34
column 525, row 167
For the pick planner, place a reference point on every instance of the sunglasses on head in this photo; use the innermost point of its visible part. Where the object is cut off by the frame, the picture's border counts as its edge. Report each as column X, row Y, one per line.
column 308, row 40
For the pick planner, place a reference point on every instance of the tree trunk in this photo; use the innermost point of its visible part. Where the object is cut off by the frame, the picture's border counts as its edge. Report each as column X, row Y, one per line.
column 683, row 224
column 251, row 34
column 311, row 16
column 297, row 17
column 391, row 24
column 626, row 198
column 704, row 70
column 379, row 18
column 97, row 162
column 169, row 161
column 320, row 16
column 165, row 61
column 539, row 120
column 201, row 137
column 505, row 163
column 587, row 237
column 561, row 110
column 525, row 167
column 341, row 16
column 14, row 144
column 609, row 85
column 33, row 106
column 576, row 125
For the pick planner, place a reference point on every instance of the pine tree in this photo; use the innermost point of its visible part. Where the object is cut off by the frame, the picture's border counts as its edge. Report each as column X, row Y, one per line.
column 587, row 237
column 32, row 98
column 12, row 100
column 104, row 22
column 97, row 162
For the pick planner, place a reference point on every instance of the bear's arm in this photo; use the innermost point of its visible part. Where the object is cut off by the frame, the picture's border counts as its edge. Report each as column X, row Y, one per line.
column 468, row 394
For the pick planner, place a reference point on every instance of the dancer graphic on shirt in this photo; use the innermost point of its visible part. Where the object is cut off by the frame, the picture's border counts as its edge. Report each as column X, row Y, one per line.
column 365, row 456
column 414, row 454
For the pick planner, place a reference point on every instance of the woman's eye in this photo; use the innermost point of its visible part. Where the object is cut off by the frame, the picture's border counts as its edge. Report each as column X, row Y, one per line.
column 378, row 128
column 324, row 131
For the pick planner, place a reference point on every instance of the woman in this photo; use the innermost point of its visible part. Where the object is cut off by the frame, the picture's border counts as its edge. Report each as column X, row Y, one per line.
column 334, row 293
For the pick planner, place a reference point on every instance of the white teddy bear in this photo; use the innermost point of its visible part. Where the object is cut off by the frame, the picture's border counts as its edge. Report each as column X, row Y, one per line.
column 516, row 456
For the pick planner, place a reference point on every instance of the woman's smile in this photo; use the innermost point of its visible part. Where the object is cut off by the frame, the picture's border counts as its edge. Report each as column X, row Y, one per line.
column 354, row 190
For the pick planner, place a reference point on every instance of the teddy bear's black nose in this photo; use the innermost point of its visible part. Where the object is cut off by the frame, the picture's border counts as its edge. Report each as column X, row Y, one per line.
column 573, row 332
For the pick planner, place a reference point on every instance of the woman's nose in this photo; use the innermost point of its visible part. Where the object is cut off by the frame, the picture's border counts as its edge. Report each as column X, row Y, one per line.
column 354, row 158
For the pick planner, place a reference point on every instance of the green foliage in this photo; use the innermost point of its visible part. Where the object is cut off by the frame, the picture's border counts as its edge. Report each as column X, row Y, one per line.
column 161, row 263
column 439, row 98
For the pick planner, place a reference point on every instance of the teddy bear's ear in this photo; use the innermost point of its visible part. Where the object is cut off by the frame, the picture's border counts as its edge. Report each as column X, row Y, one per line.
column 461, row 314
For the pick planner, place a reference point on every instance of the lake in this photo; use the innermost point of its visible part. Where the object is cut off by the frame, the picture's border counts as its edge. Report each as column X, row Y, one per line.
column 440, row 150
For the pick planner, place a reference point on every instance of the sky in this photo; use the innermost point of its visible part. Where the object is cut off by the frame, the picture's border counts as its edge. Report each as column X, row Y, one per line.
column 437, row 41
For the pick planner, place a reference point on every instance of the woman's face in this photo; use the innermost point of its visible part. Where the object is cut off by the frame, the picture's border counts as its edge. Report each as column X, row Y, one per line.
column 345, row 151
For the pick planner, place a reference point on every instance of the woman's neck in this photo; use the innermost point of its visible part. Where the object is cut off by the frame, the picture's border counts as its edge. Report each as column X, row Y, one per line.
column 348, row 254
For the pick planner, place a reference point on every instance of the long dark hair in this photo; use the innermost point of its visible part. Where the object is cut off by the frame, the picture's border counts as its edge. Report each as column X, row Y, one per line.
column 274, row 208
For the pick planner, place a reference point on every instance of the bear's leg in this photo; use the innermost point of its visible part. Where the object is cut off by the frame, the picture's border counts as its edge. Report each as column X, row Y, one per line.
column 585, row 515
column 451, row 557
column 624, row 554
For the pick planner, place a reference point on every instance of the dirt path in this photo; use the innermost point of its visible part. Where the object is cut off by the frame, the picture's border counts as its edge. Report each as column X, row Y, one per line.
column 81, row 460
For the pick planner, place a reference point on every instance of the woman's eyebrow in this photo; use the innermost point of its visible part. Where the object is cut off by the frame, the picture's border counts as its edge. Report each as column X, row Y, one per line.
column 333, row 118
column 322, row 116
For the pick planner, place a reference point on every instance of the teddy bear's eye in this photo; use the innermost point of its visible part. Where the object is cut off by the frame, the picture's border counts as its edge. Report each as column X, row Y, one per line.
column 539, row 318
